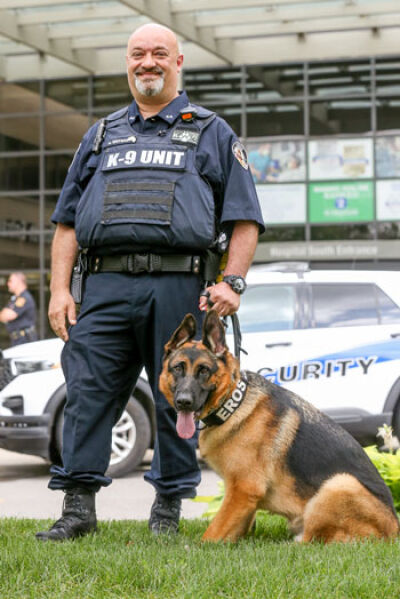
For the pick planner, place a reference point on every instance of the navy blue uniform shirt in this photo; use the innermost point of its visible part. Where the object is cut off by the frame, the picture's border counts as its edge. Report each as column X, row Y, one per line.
column 24, row 305
column 220, row 159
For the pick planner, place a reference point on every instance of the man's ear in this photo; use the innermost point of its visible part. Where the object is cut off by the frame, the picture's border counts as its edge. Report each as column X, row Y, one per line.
column 214, row 334
column 185, row 332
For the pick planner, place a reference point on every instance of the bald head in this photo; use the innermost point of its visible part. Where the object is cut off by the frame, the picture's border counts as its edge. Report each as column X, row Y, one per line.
column 153, row 64
column 16, row 282
column 152, row 30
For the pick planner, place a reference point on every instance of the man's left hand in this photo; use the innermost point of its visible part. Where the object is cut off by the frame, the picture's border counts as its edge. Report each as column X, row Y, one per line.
column 223, row 299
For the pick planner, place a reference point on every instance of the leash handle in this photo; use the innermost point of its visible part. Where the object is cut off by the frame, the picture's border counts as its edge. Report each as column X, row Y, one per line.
column 237, row 334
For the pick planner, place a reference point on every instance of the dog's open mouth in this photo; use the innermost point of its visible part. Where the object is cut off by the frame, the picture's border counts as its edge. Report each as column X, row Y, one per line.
column 185, row 425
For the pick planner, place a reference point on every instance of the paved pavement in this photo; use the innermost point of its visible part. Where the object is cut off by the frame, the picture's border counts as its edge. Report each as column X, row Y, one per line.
column 24, row 492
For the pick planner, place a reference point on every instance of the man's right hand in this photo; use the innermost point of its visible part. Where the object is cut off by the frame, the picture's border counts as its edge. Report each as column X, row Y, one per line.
column 62, row 313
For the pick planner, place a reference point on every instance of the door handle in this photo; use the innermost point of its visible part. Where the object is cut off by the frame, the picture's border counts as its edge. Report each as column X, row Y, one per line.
column 394, row 335
column 278, row 344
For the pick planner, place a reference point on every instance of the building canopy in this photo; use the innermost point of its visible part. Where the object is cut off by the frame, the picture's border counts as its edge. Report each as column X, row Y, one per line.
column 59, row 38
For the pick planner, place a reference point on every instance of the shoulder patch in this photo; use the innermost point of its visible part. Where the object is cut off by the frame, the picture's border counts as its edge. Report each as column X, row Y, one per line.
column 186, row 136
column 240, row 154
column 20, row 302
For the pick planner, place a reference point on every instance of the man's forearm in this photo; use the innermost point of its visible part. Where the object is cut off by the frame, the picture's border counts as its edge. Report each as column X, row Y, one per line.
column 63, row 256
column 242, row 247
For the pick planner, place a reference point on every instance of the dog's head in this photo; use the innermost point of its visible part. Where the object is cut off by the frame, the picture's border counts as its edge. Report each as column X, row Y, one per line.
column 197, row 375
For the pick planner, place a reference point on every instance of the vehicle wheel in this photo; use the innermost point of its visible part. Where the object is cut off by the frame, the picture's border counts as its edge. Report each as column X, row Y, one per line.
column 131, row 438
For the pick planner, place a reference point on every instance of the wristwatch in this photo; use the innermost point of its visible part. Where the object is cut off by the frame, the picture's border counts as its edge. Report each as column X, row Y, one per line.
column 237, row 283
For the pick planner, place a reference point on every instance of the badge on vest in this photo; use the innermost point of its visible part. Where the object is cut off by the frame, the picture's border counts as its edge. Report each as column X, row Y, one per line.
column 186, row 136
column 142, row 158
column 131, row 139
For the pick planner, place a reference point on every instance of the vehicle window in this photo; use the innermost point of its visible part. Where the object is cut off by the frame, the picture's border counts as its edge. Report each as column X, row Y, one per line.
column 267, row 308
column 344, row 305
column 389, row 311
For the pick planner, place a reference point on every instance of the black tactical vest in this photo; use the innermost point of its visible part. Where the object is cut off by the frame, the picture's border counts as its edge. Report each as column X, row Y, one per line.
column 146, row 193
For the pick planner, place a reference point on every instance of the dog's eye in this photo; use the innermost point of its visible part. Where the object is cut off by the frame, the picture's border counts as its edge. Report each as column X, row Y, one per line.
column 178, row 369
column 203, row 371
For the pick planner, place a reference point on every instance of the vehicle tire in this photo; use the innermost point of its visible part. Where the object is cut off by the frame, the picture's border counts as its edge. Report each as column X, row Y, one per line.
column 130, row 439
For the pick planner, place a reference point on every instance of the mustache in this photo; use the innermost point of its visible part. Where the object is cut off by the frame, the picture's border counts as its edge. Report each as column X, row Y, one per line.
column 156, row 70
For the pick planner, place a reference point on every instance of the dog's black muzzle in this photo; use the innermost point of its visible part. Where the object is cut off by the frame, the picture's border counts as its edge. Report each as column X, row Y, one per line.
column 190, row 396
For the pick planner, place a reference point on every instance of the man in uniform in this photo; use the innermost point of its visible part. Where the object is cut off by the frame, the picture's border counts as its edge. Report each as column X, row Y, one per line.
column 19, row 315
column 146, row 194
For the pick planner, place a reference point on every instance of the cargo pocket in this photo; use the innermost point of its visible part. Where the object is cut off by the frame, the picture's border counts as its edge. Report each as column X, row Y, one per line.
column 138, row 202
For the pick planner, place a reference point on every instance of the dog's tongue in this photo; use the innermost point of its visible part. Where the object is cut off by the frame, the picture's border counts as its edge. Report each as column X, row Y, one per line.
column 185, row 425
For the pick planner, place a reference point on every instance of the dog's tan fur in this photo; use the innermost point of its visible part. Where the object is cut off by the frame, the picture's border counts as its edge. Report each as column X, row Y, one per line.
column 250, row 452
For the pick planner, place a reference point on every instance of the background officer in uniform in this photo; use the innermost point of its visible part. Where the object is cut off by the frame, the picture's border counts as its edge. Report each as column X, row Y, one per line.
column 143, row 198
column 19, row 315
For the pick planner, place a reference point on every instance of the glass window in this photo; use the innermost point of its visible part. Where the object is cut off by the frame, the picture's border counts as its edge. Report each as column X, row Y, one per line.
column 389, row 311
column 285, row 118
column 387, row 113
column 387, row 73
column 56, row 166
column 339, row 78
column 111, row 93
column 19, row 97
column 264, row 83
column 66, row 93
column 218, row 90
column 50, row 202
column 340, row 116
column 268, row 308
column 283, row 234
column 388, row 230
column 344, row 305
column 19, row 252
column 19, row 214
column 19, row 173
column 19, row 134
column 340, row 232
column 65, row 131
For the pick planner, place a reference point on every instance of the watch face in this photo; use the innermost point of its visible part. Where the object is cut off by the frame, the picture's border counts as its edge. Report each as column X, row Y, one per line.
column 238, row 285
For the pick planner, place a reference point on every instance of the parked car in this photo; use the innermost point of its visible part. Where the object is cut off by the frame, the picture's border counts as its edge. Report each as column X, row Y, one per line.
column 333, row 337
column 32, row 399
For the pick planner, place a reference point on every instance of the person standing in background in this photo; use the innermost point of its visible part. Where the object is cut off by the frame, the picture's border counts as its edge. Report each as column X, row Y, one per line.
column 19, row 315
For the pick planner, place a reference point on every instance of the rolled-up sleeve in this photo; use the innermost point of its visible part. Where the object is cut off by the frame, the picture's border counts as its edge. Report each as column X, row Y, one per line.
column 223, row 162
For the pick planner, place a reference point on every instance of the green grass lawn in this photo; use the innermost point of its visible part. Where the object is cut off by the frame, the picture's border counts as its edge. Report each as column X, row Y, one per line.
column 124, row 561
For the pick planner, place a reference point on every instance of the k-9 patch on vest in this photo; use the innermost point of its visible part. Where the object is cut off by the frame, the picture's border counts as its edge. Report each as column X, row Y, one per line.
column 144, row 157
column 186, row 136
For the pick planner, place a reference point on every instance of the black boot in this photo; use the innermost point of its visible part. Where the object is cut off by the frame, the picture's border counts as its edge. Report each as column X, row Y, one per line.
column 78, row 517
column 164, row 517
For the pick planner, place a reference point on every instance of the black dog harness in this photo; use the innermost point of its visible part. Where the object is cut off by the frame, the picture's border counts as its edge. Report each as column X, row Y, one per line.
column 229, row 407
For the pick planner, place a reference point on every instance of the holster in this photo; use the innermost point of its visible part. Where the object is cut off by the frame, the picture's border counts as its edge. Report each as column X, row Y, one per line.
column 78, row 278
column 211, row 264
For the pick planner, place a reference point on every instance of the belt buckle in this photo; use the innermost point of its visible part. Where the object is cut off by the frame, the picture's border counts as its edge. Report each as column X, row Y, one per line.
column 142, row 263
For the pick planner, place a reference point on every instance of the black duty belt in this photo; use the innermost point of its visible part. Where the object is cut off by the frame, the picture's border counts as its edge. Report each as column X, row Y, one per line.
column 22, row 333
column 136, row 263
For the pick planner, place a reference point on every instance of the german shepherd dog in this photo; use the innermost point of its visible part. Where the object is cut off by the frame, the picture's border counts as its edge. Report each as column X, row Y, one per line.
column 274, row 450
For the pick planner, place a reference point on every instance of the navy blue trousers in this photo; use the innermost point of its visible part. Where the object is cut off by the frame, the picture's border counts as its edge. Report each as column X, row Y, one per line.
column 124, row 322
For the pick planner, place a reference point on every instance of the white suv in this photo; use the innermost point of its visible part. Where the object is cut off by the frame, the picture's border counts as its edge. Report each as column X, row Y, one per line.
column 333, row 337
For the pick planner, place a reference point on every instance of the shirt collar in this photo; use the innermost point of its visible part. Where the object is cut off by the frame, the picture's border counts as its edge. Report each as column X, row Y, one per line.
column 169, row 114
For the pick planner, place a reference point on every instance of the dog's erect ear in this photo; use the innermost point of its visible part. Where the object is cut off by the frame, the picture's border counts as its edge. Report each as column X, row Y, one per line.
column 185, row 332
column 214, row 333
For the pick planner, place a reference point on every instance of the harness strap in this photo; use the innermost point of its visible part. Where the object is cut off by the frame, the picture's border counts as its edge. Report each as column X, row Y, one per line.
column 143, row 262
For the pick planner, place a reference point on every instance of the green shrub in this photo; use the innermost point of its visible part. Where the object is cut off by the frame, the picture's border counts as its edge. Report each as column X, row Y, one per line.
column 388, row 466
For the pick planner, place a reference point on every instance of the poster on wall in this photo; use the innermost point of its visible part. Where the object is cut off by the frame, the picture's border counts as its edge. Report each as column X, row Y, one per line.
column 276, row 161
column 388, row 200
column 387, row 156
column 282, row 203
column 341, row 202
column 340, row 159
